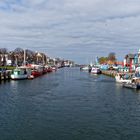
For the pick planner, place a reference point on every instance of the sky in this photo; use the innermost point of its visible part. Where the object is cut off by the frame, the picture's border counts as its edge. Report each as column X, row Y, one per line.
column 78, row 30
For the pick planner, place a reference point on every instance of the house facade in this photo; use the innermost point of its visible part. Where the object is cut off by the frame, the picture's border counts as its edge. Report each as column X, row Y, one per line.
column 132, row 61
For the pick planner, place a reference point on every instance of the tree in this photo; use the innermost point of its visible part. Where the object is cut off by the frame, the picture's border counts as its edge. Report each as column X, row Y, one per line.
column 103, row 60
column 11, row 56
column 3, row 53
column 112, row 57
column 19, row 56
column 30, row 56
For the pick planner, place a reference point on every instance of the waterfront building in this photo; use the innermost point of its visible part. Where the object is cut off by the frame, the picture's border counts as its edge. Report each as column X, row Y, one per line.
column 138, row 57
column 132, row 61
column 129, row 62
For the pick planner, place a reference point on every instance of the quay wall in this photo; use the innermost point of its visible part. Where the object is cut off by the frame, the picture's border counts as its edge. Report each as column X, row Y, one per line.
column 110, row 73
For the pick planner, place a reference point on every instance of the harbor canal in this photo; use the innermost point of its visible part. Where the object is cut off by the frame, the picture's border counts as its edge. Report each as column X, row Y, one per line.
column 69, row 105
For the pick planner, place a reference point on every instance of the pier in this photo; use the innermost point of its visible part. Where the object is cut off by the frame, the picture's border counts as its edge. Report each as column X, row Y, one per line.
column 5, row 75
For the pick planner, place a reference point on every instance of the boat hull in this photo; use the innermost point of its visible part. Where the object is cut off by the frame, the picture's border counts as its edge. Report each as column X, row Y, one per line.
column 18, row 77
column 95, row 71
column 131, row 85
column 20, row 73
column 122, row 80
column 36, row 73
column 86, row 68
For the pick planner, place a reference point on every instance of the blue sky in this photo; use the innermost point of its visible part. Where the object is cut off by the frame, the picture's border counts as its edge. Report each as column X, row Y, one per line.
column 72, row 29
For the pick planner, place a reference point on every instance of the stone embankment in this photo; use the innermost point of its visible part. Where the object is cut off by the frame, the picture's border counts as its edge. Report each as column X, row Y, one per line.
column 110, row 73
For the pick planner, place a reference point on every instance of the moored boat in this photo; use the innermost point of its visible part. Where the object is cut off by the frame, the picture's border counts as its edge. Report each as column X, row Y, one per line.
column 85, row 68
column 54, row 68
column 131, row 85
column 95, row 70
column 21, row 73
column 37, row 70
column 134, row 84
column 122, row 78
column 48, row 69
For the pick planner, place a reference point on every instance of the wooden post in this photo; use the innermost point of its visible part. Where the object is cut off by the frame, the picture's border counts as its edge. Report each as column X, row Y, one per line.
column 0, row 76
column 4, row 75
column 9, row 75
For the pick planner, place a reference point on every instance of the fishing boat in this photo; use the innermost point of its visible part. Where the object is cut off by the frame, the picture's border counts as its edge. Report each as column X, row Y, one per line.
column 21, row 73
column 37, row 70
column 95, row 70
column 134, row 84
column 49, row 69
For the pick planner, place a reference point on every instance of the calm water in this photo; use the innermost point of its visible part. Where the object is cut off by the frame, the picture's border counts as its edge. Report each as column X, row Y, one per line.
column 68, row 105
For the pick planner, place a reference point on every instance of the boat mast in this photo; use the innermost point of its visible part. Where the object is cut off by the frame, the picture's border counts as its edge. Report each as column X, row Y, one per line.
column 24, row 57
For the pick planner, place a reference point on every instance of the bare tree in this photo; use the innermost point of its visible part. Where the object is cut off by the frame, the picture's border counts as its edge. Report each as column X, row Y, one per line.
column 30, row 56
column 3, row 53
column 19, row 56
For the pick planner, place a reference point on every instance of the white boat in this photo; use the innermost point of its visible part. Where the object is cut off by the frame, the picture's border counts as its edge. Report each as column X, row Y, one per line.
column 130, row 85
column 121, row 78
column 134, row 84
column 85, row 68
column 21, row 73
column 95, row 70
